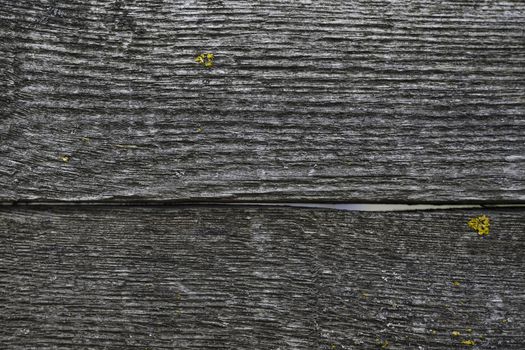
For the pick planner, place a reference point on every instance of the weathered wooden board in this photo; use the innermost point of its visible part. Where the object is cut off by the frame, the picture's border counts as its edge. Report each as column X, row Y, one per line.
column 411, row 101
column 254, row 278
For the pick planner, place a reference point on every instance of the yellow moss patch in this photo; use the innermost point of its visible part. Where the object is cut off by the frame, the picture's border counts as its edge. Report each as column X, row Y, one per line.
column 205, row 59
column 456, row 283
column 65, row 158
column 481, row 224
column 455, row 334
column 468, row 342
column 382, row 343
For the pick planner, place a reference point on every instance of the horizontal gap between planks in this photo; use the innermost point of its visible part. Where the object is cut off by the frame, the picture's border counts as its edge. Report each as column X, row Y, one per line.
column 382, row 207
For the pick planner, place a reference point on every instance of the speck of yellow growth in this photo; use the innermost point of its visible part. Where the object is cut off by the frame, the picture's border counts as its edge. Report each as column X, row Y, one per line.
column 382, row 343
column 365, row 295
column 65, row 158
column 333, row 346
column 199, row 130
column 434, row 332
column 469, row 330
column 86, row 139
column 455, row 334
column 205, row 59
column 481, row 224
column 456, row 283
column 468, row 342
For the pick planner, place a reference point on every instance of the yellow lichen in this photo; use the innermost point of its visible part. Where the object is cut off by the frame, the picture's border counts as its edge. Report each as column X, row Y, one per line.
column 468, row 342
column 480, row 224
column 65, row 158
column 456, row 283
column 382, row 343
column 205, row 59
column 455, row 334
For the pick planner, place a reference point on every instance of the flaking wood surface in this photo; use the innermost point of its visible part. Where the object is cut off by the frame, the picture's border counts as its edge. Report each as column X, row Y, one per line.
column 259, row 278
column 418, row 101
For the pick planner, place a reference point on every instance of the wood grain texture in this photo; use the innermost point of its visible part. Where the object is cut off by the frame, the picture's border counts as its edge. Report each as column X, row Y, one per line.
column 253, row 278
column 406, row 101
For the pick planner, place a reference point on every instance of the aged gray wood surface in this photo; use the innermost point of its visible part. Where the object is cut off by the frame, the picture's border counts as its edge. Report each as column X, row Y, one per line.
column 259, row 278
column 407, row 101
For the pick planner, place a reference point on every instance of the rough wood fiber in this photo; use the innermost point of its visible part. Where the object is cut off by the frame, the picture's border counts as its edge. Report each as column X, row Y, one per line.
column 326, row 100
column 273, row 278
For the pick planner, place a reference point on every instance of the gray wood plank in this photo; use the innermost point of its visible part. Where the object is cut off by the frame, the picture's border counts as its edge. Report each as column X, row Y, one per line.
column 405, row 101
column 259, row 278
